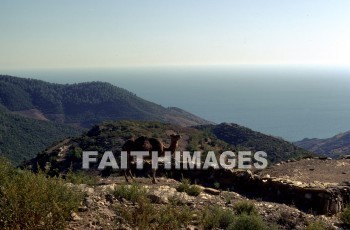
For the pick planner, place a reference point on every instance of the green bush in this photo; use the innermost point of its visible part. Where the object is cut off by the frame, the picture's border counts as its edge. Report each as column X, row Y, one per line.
column 184, row 186
column 191, row 190
column 248, row 222
column 318, row 225
column 6, row 170
column 217, row 185
column 33, row 201
column 345, row 216
column 245, row 207
column 145, row 215
column 134, row 193
column 140, row 216
column 169, row 217
column 75, row 154
column 81, row 177
column 217, row 217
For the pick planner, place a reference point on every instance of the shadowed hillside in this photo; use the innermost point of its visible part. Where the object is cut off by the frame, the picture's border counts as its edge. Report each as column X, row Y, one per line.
column 22, row 138
column 334, row 147
column 243, row 138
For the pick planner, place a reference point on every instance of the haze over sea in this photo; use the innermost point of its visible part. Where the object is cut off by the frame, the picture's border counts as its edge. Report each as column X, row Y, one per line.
column 289, row 102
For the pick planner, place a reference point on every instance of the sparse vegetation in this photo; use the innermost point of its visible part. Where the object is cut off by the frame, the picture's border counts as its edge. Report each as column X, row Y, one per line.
column 217, row 217
column 318, row 225
column 248, row 222
column 345, row 216
column 194, row 190
column 140, row 216
column 145, row 215
column 191, row 190
column 173, row 217
column 217, row 185
column 184, row 186
column 134, row 192
column 245, row 207
column 33, row 201
column 81, row 177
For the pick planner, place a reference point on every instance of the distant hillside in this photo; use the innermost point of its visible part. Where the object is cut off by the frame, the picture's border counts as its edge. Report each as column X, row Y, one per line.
column 242, row 138
column 112, row 135
column 22, row 138
column 333, row 147
column 84, row 104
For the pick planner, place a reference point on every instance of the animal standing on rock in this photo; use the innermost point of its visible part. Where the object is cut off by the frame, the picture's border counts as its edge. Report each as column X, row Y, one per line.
column 148, row 144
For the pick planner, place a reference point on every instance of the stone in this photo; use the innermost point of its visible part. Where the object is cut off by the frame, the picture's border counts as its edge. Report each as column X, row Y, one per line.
column 75, row 217
column 107, row 188
column 212, row 191
column 157, row 199
column 162, row 194
column 88, row 202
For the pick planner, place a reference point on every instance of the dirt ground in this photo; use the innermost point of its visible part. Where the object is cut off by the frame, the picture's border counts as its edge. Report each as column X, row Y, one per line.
column 312, row 170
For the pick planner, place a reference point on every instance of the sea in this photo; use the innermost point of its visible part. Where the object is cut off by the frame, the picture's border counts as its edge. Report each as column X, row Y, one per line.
column 291, row 102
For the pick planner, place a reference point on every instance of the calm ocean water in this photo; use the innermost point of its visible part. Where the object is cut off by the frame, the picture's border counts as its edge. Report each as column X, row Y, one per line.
column 292, row 103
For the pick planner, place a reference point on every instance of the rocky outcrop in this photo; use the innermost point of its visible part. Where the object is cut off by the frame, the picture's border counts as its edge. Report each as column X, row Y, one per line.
column 100, row 209
column 317, row 197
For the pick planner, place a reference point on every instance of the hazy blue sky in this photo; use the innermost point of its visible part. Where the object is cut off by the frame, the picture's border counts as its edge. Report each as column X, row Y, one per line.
column 112, row 33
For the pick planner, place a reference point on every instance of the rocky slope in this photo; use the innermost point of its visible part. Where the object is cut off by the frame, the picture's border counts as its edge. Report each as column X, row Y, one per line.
column 103, row 210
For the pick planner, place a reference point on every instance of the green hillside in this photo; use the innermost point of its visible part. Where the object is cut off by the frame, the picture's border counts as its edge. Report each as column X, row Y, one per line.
column 242, row 138
column 84, row 104
column 22, row 138
column 112, row 135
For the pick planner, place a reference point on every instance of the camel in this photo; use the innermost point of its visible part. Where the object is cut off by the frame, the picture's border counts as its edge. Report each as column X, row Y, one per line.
column 148, row 144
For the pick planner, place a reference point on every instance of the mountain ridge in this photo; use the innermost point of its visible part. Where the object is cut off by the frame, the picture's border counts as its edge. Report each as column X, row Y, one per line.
column 335, row 146
column 110, row 136
column 84, row 104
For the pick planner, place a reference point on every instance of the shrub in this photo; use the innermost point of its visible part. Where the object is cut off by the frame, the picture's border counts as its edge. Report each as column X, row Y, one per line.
column 217, row 185
column 140, row 216
column 215, row 217
column 80, row 177
column 191, row 190
column 33, row 201
column 144, row 215
column 134, row 193
column 318, row 225
column 345, row 216
column 169, row 217
column 248, row 222
column 75, row 154
column 184, row 186
column 245, row 207
column 6, row 170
